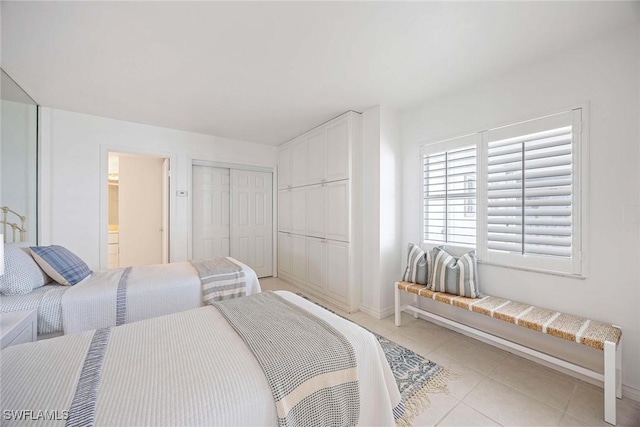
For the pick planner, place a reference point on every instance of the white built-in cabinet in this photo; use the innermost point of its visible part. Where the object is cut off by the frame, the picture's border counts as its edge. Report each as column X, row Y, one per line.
column 315, row 211
column 298, row 210
column 284, row 211
column 338, row 220
column 284, row 254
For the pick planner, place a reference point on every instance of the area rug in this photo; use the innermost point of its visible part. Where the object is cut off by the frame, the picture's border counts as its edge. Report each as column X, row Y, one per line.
column 416, row 376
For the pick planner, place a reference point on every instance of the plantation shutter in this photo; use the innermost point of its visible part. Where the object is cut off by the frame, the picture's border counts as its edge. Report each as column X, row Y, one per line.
column 529, row 187
column 449, row 189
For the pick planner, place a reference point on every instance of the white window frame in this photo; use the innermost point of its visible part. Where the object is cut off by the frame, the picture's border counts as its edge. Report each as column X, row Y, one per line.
column 576, row 266
column 439, row 147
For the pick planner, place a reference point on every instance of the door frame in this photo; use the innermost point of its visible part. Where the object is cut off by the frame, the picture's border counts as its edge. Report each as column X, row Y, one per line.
column 274, row 203
column 103, row 221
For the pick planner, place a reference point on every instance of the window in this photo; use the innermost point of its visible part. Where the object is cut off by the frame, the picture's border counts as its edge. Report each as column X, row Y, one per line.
column 512, row 192
column 450, row 192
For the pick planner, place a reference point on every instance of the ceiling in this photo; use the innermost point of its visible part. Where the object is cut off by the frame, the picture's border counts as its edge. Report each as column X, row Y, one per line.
column 268, row 71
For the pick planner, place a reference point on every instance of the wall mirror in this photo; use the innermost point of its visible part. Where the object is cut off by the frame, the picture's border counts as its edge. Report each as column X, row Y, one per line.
column 18, row 163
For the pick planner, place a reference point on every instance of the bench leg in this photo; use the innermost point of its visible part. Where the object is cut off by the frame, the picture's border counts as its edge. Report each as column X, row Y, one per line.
column 610, row 371
column 619, row 370
column 415, row 304
column 397, row 306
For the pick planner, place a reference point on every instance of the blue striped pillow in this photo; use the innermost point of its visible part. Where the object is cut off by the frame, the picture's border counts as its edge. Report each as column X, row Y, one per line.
column 458, row 277
column 60, row 264
column 418, row 265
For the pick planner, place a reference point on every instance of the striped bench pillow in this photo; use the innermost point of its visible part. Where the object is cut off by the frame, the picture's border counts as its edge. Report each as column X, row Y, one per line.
column 458, row 277
column 418, row 265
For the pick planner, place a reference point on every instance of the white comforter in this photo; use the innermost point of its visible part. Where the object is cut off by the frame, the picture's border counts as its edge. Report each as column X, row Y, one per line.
column 189, row 368
column 152, row 291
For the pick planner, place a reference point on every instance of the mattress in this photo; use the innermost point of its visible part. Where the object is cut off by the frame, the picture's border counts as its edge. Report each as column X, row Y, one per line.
column 46, row 299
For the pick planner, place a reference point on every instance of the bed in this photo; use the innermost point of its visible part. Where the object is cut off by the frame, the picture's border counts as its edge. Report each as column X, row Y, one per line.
column 197, row 368
column 111, row 297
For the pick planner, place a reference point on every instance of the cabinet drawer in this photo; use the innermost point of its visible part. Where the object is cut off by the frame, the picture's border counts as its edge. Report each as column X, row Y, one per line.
column 112, row 249
column 113, row 238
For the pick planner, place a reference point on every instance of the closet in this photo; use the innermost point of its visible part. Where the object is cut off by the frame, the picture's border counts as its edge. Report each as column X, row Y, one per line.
column 232, row 211
column 318, row 189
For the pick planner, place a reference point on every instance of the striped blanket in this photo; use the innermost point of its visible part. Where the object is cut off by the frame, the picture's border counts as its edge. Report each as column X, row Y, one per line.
column 305, row 375
column 171, row 370
column 221, row 279
column 115, row 297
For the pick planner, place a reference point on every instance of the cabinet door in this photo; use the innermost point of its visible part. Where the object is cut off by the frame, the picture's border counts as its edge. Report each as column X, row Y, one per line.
column 299, row 211
column 300, row 163
column 337, row 268
column 284, row 167
column 284, row 210
column 317, row 141
column 316, row 211
column 338, row 218
column 299, row 258
column 284, row 255
column 338, row 151
column 316, row 263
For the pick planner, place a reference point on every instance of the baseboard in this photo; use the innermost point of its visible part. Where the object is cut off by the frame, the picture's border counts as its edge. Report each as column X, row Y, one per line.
column 631, row 392
column 367, row 310
column 375, row 313
column 387, row 312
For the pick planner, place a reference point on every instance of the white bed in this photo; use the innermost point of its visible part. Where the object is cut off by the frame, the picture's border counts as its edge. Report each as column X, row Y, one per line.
column 91, row 303
column 188, row 368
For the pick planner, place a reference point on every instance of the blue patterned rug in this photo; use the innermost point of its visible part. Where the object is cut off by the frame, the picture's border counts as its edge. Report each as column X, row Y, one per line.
column 416, row 376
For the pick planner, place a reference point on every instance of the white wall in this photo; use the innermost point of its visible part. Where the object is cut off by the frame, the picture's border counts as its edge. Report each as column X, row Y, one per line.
column 75, row 160
column 606, row 74
column 391, row 253
column 370, row 300
column 382, row 209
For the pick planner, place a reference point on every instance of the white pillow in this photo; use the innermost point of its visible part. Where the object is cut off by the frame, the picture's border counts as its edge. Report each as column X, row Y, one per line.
column 21, row 273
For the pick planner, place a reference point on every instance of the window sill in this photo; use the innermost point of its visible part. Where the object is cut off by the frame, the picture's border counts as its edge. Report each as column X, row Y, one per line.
column 535, row 270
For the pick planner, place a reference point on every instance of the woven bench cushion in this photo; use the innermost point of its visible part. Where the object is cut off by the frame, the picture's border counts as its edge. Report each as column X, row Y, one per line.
column 572, row 328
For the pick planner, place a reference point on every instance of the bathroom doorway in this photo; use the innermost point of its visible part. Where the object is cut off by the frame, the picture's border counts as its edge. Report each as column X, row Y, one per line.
column 138, row 200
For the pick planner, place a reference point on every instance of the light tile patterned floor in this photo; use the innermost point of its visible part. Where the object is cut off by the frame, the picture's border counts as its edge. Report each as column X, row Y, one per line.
column 494, row 386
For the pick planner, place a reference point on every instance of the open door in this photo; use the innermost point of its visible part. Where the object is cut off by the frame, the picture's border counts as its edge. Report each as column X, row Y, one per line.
column 138, row 210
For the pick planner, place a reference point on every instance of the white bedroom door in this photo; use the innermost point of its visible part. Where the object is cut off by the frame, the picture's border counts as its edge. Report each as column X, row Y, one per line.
column 211, row 212
column 142, row 210
column 232, row 215
column 252, row 219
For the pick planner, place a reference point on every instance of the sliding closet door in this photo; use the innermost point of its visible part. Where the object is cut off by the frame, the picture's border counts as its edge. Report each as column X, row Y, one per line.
column 211, row 225
column 252, row 220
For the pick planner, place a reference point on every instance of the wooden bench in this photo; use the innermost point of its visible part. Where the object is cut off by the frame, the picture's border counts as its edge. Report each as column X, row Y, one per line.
column 591, row 333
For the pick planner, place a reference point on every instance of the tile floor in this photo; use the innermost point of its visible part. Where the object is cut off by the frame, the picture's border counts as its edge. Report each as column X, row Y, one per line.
column 494, row 387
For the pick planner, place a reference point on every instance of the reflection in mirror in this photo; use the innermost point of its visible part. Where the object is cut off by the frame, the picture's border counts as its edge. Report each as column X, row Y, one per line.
column 18, row 162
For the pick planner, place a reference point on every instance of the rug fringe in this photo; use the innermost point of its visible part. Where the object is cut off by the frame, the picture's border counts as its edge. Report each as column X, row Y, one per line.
column 420, row 401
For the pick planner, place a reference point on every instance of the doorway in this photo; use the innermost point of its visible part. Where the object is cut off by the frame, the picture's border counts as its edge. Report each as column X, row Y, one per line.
column 138, row 200
column 233, row 216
